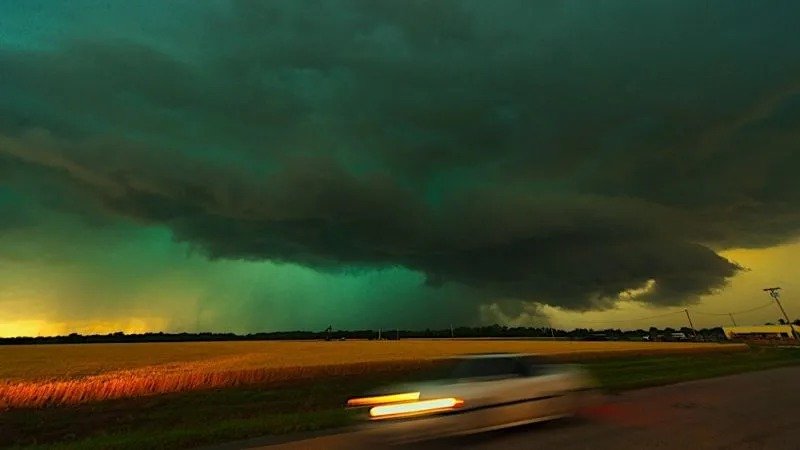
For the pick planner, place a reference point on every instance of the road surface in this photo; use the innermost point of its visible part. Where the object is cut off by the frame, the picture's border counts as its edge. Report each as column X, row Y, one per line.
column 757, row 410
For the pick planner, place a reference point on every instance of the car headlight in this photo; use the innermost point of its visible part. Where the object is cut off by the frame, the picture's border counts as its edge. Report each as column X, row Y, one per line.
column 415, row 407
column 384, row 399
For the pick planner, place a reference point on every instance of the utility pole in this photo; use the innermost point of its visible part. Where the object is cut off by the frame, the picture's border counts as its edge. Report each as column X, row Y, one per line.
column 452, row 334
column 397, row 334
column 379, row 334
column 774, row 292
column 691, row 325
column 732, row 319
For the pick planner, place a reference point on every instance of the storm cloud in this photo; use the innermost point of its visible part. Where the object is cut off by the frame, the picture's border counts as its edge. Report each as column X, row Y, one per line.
column 555, row 152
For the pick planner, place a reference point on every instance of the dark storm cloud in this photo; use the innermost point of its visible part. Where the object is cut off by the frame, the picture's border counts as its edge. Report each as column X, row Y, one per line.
column 563, row 152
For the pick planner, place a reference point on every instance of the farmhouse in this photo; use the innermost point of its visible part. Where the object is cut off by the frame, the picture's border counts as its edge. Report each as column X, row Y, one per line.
column 768, row 332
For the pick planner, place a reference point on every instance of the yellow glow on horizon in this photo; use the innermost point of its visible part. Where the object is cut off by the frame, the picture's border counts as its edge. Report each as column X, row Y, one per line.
column 29, row 328
column 41, row 327
column 130, row 326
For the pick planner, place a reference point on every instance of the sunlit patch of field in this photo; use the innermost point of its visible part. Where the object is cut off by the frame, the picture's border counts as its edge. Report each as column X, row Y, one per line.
column 42, row 375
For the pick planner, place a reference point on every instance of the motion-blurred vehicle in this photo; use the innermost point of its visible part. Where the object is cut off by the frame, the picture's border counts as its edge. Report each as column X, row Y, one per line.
column 483, row 392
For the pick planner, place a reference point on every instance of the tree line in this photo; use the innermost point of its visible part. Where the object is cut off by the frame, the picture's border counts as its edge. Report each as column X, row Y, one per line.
column 491, row 331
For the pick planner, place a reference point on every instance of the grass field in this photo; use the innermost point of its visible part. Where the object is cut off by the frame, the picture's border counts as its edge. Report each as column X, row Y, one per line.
column 37, row 362
column 188, row 419
column 47, row 375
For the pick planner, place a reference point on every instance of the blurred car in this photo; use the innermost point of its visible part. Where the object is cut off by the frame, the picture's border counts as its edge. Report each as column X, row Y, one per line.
column 483, row 392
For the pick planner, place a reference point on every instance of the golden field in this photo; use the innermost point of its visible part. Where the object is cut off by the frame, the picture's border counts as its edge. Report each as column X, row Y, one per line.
column 40, row 375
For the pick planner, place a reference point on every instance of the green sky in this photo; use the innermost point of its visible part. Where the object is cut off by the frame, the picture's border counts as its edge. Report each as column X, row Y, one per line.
column 249, row 166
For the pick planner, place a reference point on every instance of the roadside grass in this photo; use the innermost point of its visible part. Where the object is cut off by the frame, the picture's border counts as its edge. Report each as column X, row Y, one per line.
column 221, row 430
column 192, row 419
column 632, row 373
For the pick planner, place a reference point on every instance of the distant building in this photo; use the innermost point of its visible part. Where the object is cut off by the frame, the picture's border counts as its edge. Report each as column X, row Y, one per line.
column 678, row 336
column 762, row 332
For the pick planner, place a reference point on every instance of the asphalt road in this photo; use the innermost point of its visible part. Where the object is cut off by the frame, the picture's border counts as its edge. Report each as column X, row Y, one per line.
column 757, row 410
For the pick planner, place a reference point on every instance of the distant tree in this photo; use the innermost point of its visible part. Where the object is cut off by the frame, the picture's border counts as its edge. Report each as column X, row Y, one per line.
column 781, row 321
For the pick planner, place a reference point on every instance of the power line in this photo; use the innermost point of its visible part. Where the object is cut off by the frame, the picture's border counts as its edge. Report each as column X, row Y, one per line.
column 671, row 313
column 772, row 291
column 733, row 312
column 755, row 309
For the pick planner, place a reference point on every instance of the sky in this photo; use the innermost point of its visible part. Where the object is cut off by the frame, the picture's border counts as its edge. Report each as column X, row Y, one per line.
column 256, row 166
